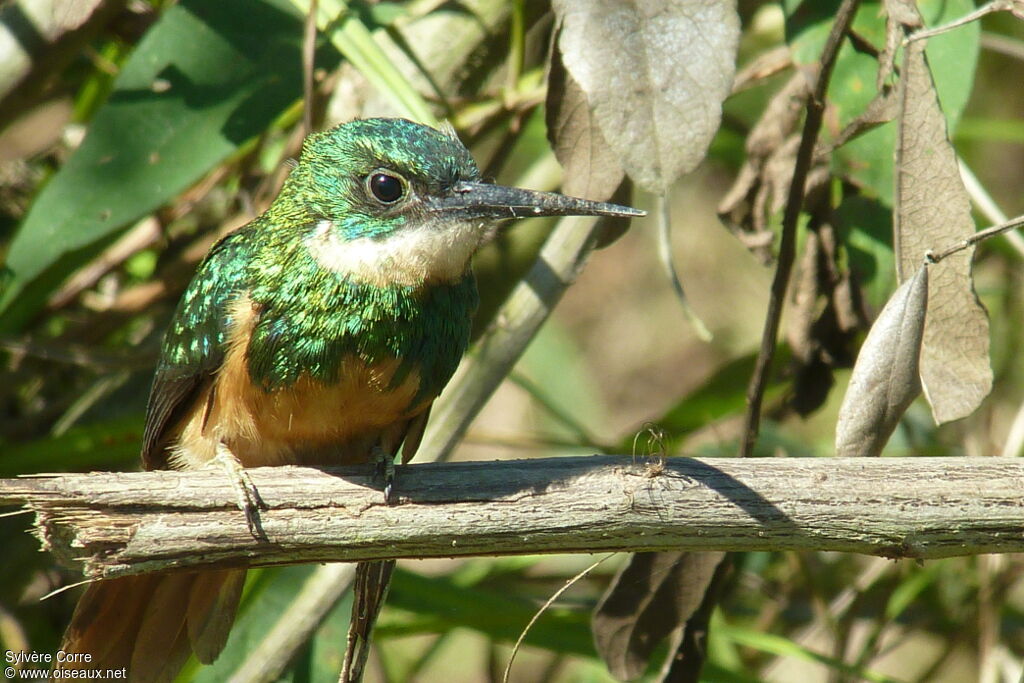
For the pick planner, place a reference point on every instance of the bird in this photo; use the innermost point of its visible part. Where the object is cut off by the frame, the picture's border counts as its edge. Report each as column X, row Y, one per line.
column 318, row 334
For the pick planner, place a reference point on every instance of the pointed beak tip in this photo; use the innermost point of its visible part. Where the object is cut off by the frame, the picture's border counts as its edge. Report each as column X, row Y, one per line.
column 619, row 211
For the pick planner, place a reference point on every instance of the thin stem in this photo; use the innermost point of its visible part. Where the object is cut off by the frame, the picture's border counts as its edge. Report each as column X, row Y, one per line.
column 986, row 205
column 665, row 256
column 994, row 6
column 1004, row 45
column 324, row 588
column 1015, row 437
column 980, row 236
column 544, row 608
column 787, row 245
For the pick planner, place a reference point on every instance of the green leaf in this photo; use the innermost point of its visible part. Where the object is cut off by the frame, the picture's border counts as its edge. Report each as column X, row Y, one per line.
column 990, row 130
column 206, row 78
column 909, row 589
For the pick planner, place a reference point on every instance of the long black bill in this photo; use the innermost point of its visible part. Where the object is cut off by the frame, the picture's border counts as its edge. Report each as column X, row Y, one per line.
column 483, row 200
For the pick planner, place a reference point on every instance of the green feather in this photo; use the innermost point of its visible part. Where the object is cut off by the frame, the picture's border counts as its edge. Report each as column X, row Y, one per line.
column 311, row 318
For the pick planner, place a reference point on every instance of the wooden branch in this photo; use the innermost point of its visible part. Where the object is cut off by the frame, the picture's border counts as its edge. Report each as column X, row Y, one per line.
column 118, row 524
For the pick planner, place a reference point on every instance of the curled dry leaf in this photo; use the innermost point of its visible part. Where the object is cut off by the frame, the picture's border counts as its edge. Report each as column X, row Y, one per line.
column 592, row 169
column 761, row 186
column 825, row 316
column 648, row 599
column 882, row 109
column 901, row 16
column 655, row 74
column 885, row 378
column 933, row 210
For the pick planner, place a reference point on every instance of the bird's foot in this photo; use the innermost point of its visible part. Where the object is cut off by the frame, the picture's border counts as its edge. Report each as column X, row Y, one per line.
column 246, row 494
column 384, row 466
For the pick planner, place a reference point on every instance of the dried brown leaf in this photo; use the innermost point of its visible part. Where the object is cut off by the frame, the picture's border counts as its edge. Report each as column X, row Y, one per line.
column 762, row 67
column 880, row 110
column 885, row 378
column 647, row 600
column 764, row 178
column 655, row 73
column 901, row 17
column 933, row 209
column 825, row 311
column 592, row 169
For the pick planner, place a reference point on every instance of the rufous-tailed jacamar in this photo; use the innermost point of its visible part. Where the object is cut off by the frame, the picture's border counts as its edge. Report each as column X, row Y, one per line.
column 318, row 334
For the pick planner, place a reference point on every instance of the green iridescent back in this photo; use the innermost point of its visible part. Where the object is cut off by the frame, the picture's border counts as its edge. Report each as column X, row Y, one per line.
column 310, row 319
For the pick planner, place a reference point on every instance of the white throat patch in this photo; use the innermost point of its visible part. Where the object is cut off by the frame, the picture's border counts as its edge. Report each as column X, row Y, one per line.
column 408, row 257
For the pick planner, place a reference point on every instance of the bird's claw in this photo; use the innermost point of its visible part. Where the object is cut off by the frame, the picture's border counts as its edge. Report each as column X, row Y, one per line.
column 384, row 466
column 247, row 496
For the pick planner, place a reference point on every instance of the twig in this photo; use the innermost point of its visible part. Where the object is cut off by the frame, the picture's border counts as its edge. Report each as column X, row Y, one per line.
column 1004, row 45
column 794, row 203
column 765, row 65
column 921, row 507
column 543, row 608
column 140, row 236
column 986, row 205
column 818, row 630
column 981, row 235
column 80, row 355
column 994, row 6
column 665, row 256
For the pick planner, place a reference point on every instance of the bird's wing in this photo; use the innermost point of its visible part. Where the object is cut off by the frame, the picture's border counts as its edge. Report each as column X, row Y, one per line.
column 193, row 347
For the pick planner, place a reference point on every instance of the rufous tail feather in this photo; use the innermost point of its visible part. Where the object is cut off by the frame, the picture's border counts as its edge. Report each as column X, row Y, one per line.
column 150, row 624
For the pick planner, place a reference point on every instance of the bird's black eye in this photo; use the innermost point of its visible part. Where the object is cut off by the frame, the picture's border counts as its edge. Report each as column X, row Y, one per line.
column 385, row 187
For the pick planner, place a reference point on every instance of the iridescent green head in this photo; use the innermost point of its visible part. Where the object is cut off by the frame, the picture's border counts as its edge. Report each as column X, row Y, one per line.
column 370, row 177
column 392, row 201
column 374, row 176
